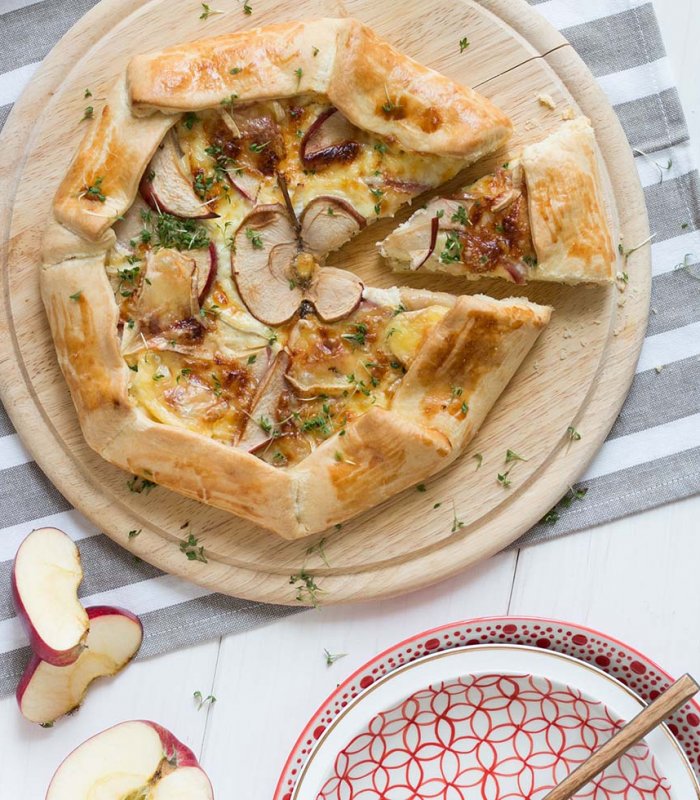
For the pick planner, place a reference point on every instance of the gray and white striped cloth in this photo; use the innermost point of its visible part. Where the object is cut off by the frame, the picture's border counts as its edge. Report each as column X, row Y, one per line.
column 652, row 455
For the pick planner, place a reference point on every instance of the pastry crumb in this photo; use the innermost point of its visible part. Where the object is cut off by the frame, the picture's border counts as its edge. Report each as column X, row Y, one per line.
column 658, row 368
column 547, row 101
column 568, row 114
column 529, row 125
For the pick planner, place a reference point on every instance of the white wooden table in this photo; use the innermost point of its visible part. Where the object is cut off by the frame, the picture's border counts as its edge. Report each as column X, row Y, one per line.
column 635, row 579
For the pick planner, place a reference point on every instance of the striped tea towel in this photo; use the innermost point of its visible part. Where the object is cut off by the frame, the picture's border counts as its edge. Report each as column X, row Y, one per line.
column 652, row 455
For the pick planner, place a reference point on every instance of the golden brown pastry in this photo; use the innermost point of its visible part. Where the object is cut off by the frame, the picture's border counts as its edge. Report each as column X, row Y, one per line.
column 541, row 217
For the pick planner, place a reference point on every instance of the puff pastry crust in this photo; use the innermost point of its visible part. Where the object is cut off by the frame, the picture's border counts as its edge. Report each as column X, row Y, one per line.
column 542, row 218
column 451, row 358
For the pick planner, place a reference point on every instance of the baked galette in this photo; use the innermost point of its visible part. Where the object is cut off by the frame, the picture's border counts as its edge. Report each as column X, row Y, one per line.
column 206, row 345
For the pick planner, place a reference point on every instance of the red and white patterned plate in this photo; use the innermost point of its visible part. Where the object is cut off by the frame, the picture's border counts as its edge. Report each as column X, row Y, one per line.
column 452, row 726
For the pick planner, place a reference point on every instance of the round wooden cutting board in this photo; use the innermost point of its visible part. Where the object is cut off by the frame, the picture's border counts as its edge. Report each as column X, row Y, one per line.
column 577, row 374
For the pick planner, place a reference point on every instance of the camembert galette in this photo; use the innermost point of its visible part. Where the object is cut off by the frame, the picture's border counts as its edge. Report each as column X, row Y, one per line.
column 206, row 345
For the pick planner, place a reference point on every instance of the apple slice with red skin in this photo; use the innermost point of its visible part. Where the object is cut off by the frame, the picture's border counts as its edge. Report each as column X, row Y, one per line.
column 167, row 188
column 135, row 759
column 45, row 579
column 207, row 262
column 329, row 139
column 46, row 692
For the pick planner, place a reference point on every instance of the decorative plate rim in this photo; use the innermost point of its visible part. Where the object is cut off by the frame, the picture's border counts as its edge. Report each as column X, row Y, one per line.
column 312, row 724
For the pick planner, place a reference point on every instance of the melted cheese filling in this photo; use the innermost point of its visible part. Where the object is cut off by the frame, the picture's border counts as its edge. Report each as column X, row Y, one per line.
column 207, row 373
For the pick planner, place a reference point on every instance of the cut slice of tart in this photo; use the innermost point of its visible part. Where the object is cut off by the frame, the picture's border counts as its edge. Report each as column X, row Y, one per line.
column 541, row 217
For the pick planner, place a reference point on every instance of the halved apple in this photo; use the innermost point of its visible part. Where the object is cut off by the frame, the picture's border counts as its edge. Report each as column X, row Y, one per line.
column 136, row 759
column 45, row 579
column 46, row 692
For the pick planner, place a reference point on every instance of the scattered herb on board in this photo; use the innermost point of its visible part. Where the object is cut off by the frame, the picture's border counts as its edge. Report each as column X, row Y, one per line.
column 456, row 522
column 202, row 701
column 76, row 296
column 552, row 516
column 247, row 9
column 139, row 485
column 463, row 44
column 512, row 456
column 315, row 51
column 573, row 434
column 625, row 253
column 193, row 550
column 307, row 589
column 87, row 94
column 503, row 479
column 89, row 113
column 319, row 548
column 134, row 533
column 46, row 724
column 331, row 658
column 479, row 460
column 208, row 12
column 421, row 487
column 687, row 266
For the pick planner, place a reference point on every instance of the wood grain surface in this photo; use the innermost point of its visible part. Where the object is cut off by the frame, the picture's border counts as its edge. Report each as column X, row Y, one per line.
column 578, row 373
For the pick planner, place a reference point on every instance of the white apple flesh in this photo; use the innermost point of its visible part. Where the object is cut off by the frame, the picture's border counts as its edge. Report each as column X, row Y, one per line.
column 46, row 692
column 45, row 579
column 137, row 759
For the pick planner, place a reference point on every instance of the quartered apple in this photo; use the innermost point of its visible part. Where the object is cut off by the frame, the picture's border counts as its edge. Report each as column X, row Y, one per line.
column 47, row 692
column 136, row 760
column 45, row 579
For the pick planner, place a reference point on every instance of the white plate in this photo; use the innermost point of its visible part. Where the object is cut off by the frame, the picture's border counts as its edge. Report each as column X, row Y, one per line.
column 452, row 726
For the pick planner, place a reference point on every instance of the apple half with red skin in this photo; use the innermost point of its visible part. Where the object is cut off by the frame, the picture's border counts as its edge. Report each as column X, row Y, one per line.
column 46, row 692
column 136, row 760
column 45, row 579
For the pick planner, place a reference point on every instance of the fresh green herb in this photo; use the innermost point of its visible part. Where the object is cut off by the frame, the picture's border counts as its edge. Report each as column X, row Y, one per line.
column 437, row 505
column 456, row 522
column 627, row 253
column 252, row 358
column 453, row 250
column 134, row 533
column 572, row 495
column 331, row 658
column 202, row 701
column 500, row 228
column 77, row 295
column 217, row 384
column 94, row 191
column 623, row 277
column 193, row 550
column 158, row 376
column 174, row 232
column 388, row 107
column 440, row 213
column 531, row 261
column 456, row 391
column 421, row 487
column 511, row 456
column 183, row 373
column 139, row 485
column 319, row 548
column 573, row 434
column 257, row 147
column 684, row 226
column 208, row 12
column 89, row 113
column 479, row 460
column 330, row 211
column 255, row 238
column 400, row 309
column 130, row 324
column 315, row 51
column 505, row 165
column 235, row 70
column 659, row 166
column 307, row 589
column 463, row 44
column 359, row 336
column 460, row 216
column 298, row 72
column 464, row 408
column 381, row 148
column 87, row 94
column 46, row 724
column 134, row 367
column 339, row 456
column 189, row 119
column 503, row 479
column 247, row 9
